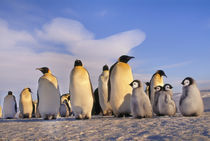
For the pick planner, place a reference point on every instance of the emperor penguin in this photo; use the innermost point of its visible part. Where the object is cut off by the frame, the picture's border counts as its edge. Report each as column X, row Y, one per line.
column 96, row 105
column 48, row 94
column 65, row 108
column 158, row 91
column 9, row 106
column 0, row 112
column 81, row 91
column 166, row 104
column 191, row 102
column 103, row 91
column 156, row 80
column 119, row 91
column 26, row 103
column 140, row 103
column 147, row 88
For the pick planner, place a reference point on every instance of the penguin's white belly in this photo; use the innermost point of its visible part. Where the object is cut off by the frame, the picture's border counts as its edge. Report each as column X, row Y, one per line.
column 27, row 106
column 166, row 105
column 82, row 98
column 49, row 98
column 121, row 90
column 9, row 108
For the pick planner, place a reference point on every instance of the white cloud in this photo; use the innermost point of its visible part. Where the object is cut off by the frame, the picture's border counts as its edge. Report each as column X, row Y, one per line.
column 175, row 65
column 22, row 51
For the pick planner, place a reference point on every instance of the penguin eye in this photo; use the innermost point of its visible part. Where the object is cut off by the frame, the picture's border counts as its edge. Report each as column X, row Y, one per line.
column 167, row 87
column 186, row 83
column 157, row 88
column 135, row 85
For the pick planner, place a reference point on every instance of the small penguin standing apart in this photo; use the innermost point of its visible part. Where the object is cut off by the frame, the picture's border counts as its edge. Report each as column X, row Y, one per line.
column 25, row 103
column 103, row 91
column 65, row 108
column 166, row 104
column 118, row 86
column 48, row 95
column 140, row 103
column 81, row 91
column 191, row 102
column 158, row 91
column 9, row 106
column 156, row 80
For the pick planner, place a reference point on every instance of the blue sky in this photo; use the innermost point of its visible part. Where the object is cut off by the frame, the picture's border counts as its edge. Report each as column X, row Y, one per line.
column 169, row 35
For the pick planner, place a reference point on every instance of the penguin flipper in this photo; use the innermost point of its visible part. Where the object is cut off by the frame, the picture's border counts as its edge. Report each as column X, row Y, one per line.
column 109, row 82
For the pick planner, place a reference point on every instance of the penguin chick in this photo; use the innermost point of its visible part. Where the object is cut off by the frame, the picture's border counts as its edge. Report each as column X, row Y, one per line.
column 166, row 104
column 65, row 99
column 191, row 102
column 25, row 103
column 119, row 91
column 156, row 80
column 64, row 109
column 81, row 91
column 140, row 103
column 103, row 91
column 48, row 95
column 158, row 91
column 9, row 106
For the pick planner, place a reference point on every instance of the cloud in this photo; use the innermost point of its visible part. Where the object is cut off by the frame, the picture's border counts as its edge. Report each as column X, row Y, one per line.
column 175, row 65
column 56, row 45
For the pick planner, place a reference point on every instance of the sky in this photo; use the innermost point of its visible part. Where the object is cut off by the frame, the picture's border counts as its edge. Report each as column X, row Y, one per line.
column 170, row 35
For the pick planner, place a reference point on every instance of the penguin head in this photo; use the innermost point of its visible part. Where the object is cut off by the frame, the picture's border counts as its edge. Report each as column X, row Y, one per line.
column 158, row 88
column 77, row 63
column 29, row 89
column 10, row 93
column 135, row 84
column 147, row 84
column 161, row 73
column 105, row 68
column 167, row 87
column 125, row 58
column 187, row 81
column 44, row 70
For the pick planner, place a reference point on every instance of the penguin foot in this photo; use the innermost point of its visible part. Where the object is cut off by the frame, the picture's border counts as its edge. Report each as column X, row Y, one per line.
column 78, row 117
column 48, row 117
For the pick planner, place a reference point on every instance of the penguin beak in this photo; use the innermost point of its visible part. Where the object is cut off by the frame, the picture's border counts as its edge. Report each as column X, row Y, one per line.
column 38, row 69
column 131, row 57
column 131, row 84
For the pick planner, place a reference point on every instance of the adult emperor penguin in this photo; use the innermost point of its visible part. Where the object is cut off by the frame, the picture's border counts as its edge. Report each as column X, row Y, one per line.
column 156, row 80
column 158, row 91
column 9, row 106
column 190, row 103
column 81, row 90
column 140, row 103
column 26, row 103
column 48, row 95
column 103, row 91
column 119, row 91
column 166, row 104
